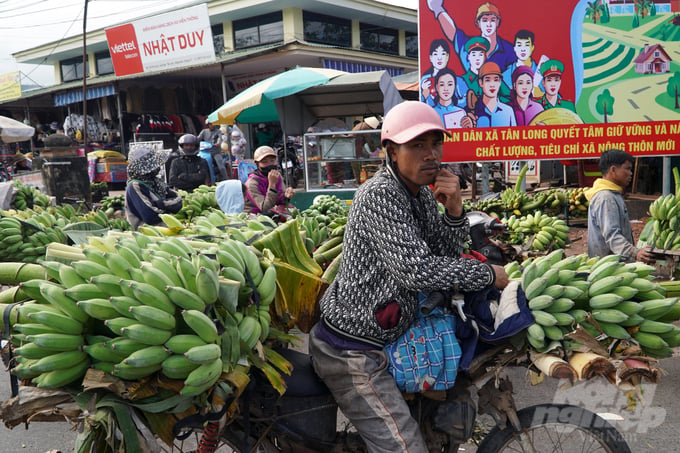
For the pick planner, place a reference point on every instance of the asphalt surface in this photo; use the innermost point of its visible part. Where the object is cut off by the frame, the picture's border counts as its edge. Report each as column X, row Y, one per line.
column 650, row 426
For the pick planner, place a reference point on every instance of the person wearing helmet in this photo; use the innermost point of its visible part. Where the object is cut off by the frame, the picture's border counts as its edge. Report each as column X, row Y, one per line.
column 265, row 191
column 396, row 246
column 147, row 195
column 487, row 21
column 213, row 135
column 189, row 171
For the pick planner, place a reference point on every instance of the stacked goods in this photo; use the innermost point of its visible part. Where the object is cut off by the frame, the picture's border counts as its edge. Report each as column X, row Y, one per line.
column 609, row 299
column 26, row 240
column 324, row 226
column 26, row 197
column 538, row 232
column 137, row 308
column 194, row 203
column 111, row 204
column 578, row 203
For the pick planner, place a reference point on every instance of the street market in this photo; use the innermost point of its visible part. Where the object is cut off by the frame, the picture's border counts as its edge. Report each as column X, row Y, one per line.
column 186, row 328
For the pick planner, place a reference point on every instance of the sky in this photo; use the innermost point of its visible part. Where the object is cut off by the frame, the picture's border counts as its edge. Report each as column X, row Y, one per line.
column 28, row 23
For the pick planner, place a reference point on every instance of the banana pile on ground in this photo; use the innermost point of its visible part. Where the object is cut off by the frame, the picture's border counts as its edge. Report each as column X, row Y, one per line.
column 138, row 307
column 194, row 203
column 609, row 299
column 26, row 197
column 578, row 203
column 112, row 204
column 537, row 232
column 26, row 240
column 665, row 223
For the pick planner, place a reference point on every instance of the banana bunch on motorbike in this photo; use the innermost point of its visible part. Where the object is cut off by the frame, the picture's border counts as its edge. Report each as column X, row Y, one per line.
column 604, row 296
column 134, row 305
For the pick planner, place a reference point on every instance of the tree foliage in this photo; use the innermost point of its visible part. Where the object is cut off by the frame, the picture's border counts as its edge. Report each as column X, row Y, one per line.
column 605, row 104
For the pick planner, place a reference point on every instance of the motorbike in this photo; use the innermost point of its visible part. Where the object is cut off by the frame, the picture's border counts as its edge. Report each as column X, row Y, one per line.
column 291, row 169
column 305, row 418
column 484, row 233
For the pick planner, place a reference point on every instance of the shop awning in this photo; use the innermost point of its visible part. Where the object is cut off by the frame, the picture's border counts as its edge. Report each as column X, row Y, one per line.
column 74, row 96
column 348, row 66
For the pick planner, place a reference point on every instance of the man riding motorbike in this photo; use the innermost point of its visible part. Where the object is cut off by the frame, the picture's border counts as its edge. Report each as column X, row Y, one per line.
column 396, row 247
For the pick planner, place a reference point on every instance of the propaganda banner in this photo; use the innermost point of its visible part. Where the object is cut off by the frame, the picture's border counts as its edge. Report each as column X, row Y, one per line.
column 538, row 80
column 173, row 40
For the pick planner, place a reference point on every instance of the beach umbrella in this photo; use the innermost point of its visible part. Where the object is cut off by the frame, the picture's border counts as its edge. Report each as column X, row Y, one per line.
column 256, row 103
column 12, row 130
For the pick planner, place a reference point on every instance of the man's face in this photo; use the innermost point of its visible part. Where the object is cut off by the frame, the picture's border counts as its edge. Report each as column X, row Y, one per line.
column 621, row 175
column 439, row 58
column 418, row 160
column 523, row 48
column 524, row 85
column 476, row 59
column 490, row 85
column 488, row 24
column 552, row 84
column 446, row 87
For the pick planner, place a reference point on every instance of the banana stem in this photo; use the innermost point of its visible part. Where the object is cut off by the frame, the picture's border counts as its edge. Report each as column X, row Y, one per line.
column 15, row 273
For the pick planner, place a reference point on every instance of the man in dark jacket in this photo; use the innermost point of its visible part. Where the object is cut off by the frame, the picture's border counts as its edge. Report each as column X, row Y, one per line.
column 189, row 171
column 396, row 245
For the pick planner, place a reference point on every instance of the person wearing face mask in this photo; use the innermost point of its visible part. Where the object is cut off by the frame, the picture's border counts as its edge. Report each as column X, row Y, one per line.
column 146, row 194
column 265, row 190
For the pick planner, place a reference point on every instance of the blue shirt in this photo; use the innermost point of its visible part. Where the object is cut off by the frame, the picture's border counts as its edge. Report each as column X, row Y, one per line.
column 504, row 115
column 503, row 54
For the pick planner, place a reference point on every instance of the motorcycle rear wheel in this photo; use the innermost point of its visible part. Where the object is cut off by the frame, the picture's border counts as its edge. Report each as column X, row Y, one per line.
column 548, row 428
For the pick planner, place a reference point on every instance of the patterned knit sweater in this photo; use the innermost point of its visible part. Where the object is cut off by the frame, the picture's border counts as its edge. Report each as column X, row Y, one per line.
column 396, row 245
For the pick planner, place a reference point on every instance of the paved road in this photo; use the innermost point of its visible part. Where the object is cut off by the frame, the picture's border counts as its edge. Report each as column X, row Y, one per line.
column 651, row 426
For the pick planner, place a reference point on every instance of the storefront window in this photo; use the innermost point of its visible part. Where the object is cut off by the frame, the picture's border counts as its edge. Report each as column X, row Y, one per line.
column 104, row 63
column 411, row 45
column 258, row 30
column 324, row 29
column 218, row 38
column 72, row 69
column 379, row 39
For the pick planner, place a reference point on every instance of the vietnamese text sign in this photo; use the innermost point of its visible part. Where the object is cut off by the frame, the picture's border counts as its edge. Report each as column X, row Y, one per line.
column 524, row 77
column 575, row 141
column 10, row 85
column 172, row 40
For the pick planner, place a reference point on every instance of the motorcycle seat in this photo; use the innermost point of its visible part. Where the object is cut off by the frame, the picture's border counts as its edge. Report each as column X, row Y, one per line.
column 303, row 381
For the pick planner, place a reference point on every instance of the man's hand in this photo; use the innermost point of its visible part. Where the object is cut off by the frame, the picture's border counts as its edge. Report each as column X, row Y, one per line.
column 447, row 192
column 436, row 6
column 501, row 276
column 273, row 178
column 289, row 193
column 645, row 255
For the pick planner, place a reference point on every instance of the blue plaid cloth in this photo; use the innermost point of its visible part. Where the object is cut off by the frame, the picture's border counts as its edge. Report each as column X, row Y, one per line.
column 426, row 356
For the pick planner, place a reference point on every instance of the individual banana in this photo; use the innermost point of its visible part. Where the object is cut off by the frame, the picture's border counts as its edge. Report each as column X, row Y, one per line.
column 179, row 344
column 207, row 285
column 151, row 356
column 146, row 334
column 153, row 317
column 206, row 374
column 177, row 366
column 57, row 341
column 59, row 378
column 204, row 353
column 101, row 309
column 58, row 361
column 201, row 324
column 250, row 330
column 184, row 298
column 60, row 322
column 147, row 294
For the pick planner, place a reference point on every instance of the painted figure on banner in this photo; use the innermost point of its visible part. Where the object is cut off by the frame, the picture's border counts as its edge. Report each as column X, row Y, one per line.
column 446, row 101
column 440, row 52
column 522, row 101
column 552, row 81
column 487, row 20
column 489, row 110
column 524, row 49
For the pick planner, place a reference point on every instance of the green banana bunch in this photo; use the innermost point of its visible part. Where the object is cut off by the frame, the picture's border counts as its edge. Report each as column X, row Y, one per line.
column 611, row 300
column 537, row 231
